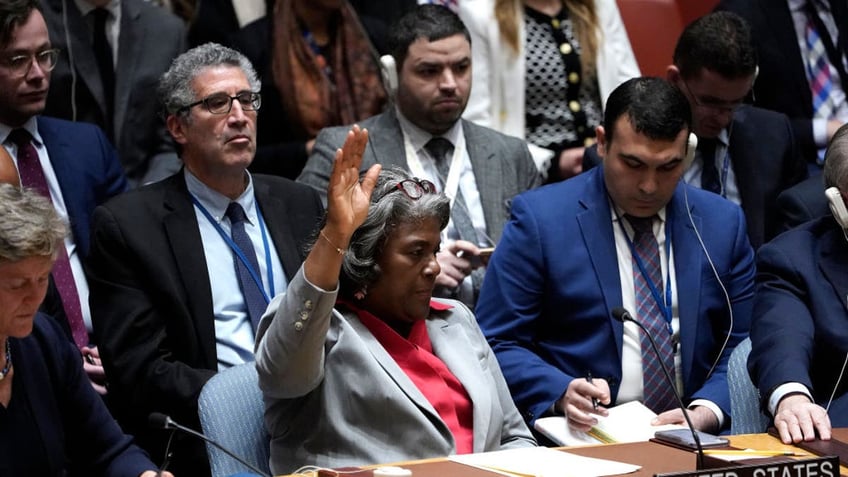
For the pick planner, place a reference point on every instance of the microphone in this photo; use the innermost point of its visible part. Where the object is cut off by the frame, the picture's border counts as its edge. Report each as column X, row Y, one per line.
column 622, row 315
column 157, row 420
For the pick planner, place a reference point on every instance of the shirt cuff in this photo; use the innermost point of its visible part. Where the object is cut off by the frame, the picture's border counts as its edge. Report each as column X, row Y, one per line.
column 712, row 407
column 781, row 391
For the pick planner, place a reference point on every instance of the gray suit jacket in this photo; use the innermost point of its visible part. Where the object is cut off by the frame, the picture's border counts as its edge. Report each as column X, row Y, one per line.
column 150, row 38
column 502, row 164
column 335, row 397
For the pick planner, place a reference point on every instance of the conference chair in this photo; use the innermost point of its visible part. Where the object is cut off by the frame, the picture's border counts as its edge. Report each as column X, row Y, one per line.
column 746, row 416
column 231, row 413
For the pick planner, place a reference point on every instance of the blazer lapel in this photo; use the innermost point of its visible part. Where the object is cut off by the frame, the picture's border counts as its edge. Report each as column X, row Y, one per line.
column 451, row 345
column 129, row 43
column 181, row 228
column 687, row 269
column 786, row 44
column 596, row 228
column 60, row 151
column 83, row 55
column 834, row 254
column 386, row 144
column 487, row 174
column 395, row 373
column 748, row 177
column 276, row 214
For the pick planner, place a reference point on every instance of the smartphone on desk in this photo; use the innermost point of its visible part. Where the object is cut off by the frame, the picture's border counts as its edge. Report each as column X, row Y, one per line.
column 683, row 438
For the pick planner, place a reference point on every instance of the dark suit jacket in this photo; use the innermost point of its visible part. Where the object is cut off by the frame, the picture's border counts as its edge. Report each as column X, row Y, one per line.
column 76, row 432
column 799, row 331
column 553, row 281
column 150, row 39
column 802, row 202
column 87, row 168
column 216, row 21
column 781, row 84
column 502, row 164
column 151, row 300
column 765, row 161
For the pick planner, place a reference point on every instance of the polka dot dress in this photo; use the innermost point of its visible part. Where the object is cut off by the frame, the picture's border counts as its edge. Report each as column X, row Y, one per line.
column 562, row 107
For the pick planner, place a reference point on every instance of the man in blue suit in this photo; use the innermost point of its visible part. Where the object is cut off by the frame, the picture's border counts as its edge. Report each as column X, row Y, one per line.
column 799, row 332
column 570, row 254
column 73, row 163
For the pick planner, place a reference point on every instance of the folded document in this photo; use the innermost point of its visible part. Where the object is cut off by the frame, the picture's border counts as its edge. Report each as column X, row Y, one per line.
column 629, row 422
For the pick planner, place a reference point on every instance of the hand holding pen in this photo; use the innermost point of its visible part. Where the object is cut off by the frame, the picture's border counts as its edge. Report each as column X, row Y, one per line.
column 583, row 400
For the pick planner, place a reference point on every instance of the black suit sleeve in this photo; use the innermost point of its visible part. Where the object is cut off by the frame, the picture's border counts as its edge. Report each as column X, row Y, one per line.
column 137, row 333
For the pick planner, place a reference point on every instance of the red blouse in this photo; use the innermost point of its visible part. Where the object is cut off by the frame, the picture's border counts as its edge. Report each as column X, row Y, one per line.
column 430, row 375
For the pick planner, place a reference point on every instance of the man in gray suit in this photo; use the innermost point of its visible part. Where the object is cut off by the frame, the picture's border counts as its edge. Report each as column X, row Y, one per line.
column 478, row 168
column 113, row 53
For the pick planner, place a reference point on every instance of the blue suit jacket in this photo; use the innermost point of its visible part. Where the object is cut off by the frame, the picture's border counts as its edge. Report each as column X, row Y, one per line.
column 799, row 332
column 553, row 281
column 87, row 168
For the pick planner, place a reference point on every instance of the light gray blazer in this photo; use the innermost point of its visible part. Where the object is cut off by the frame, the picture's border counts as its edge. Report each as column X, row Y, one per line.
column 502, row 165
column 335, row 397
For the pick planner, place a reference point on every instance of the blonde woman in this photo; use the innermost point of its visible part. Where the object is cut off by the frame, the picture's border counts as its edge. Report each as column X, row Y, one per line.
column 542, row 70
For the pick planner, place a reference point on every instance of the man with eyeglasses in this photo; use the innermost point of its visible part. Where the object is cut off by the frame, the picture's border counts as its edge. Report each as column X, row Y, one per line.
column 182, row 269
column 745, row 154
column 112, row 53
column 72, row 164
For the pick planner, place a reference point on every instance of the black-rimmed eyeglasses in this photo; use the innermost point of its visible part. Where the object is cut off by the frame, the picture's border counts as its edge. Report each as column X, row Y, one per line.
column 20, row 65
column 222, row 103
column 413, row 188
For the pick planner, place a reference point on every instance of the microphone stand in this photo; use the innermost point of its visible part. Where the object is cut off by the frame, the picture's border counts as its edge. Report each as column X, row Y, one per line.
column 623, row 315
column 162, row 421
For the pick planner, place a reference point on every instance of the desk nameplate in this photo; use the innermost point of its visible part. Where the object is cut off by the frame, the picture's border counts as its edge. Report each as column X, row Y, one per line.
column 811, row 467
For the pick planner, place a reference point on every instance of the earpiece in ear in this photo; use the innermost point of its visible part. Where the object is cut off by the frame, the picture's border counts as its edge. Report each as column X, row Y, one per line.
column 390, row 76
column 691, row 147
column 837, row 206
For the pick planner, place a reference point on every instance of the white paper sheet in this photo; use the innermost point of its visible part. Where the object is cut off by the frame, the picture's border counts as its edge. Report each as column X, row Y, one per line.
column 543, row 462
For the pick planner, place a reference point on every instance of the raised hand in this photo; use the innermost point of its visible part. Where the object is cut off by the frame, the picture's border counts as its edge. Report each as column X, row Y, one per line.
column 348, row 198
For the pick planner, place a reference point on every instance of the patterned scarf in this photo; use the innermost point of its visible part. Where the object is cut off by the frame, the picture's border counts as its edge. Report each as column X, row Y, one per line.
column 311, row 99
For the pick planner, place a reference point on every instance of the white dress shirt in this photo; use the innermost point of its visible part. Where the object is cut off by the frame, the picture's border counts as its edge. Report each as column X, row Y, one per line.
column 233, row 330
column 724, row 166
column 631, row 388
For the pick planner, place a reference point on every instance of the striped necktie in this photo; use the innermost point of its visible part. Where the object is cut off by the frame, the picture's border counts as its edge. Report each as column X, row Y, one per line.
column 657, row 394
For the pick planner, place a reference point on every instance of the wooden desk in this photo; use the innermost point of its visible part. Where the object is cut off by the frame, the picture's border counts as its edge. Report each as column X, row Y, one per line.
column 652, row 457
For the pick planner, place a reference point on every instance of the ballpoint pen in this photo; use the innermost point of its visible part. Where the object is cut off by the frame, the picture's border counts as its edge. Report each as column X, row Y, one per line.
column 594, row 399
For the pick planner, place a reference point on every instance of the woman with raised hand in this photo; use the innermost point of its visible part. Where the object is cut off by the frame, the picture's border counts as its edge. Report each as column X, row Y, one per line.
column 357, row 362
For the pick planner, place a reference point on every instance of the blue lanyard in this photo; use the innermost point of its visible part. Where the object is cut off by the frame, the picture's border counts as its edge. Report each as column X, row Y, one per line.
column 240, row 254
column 664, row 303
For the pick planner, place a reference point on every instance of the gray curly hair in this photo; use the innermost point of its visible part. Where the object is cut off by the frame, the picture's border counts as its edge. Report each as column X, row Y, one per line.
column 387, row 211
column 175, row 86
column 29, row 225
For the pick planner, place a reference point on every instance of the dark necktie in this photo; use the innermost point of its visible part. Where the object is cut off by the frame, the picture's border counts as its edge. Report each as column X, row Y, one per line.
column 105, row 64
column 657, row 395
column 439, row 149
column 709, row 174
column 32, row 176
column 254, row 300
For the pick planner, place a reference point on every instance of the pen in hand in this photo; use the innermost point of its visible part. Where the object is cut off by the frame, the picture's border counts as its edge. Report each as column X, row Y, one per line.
column 594, row 399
